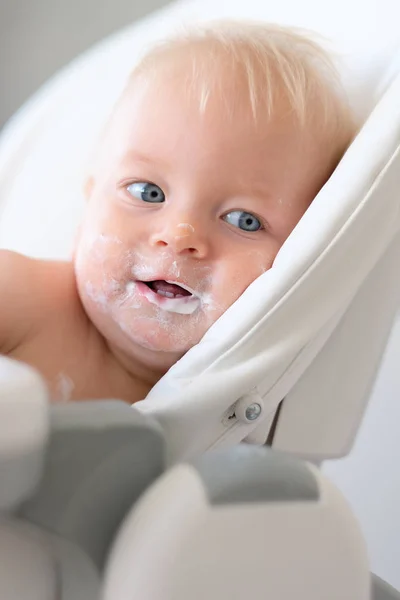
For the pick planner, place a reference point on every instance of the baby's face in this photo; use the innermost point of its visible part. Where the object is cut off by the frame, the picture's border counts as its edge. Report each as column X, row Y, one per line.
column 185, row 210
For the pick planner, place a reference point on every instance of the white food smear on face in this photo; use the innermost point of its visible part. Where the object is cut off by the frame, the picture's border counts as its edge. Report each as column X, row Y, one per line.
column 98, row 297
column 64, row 386
column 182, row 306
column 118, row 297
column 141, row 271
column 181, row 332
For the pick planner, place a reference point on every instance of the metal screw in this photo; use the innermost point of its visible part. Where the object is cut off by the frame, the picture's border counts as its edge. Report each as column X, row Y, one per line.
column 253, row 411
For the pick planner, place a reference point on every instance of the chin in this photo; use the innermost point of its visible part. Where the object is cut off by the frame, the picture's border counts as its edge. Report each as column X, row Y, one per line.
column 157, row 339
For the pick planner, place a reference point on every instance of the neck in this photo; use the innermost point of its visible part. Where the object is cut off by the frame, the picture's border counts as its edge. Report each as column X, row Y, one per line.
column 144, row 366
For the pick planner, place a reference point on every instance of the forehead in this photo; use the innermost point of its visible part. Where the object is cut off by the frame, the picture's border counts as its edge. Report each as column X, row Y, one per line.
column 159, row 133
column 165, row 111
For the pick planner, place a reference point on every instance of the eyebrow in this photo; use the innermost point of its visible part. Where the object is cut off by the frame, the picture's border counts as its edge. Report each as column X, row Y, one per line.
column 256, row 187
column 137, row 156
column 259, row 192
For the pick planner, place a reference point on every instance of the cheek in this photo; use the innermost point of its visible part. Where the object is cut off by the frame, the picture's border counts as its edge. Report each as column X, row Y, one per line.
column 98, row 253
column 99, row 266
column 105, row 215
column 241, row 271
column 103, row 242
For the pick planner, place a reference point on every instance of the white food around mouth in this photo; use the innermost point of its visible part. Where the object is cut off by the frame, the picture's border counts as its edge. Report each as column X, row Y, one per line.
column 184, row 305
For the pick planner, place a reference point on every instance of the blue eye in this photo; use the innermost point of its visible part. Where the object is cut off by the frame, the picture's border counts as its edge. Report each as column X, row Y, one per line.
column 243, row 220
column 148, row 192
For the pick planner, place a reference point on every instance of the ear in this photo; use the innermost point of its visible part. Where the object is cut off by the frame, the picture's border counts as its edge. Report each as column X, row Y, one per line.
column 88, row 187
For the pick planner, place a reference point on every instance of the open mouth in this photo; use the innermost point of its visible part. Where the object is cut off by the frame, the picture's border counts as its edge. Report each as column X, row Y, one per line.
column 169, row 296
column 168, row 289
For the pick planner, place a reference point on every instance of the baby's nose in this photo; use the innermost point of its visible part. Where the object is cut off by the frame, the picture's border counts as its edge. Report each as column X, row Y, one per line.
column 183, row 238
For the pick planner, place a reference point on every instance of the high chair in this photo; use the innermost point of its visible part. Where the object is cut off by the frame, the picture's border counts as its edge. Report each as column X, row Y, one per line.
column 209, row 487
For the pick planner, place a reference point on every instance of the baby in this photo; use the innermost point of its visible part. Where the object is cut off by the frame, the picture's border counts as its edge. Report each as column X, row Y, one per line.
column 215, row 150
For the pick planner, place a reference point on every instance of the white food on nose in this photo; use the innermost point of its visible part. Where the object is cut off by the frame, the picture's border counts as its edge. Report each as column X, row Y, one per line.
column 186, row 226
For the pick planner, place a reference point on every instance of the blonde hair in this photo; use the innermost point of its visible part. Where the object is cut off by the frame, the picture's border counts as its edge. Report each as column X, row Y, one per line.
column 276, row 63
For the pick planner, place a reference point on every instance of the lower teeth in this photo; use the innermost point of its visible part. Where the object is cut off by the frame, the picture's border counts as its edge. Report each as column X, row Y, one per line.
column 169, row 294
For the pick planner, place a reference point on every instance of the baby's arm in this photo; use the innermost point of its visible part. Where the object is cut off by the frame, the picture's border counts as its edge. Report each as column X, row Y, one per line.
column 18, row 300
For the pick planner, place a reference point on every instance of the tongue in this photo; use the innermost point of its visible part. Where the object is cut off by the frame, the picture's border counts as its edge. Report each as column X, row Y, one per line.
column 170, row 288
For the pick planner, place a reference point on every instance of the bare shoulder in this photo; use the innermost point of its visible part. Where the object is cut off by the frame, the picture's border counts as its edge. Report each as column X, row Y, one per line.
column 29, row 289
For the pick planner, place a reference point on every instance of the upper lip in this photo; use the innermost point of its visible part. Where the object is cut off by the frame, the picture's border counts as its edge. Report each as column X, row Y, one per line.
column 182, row 285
